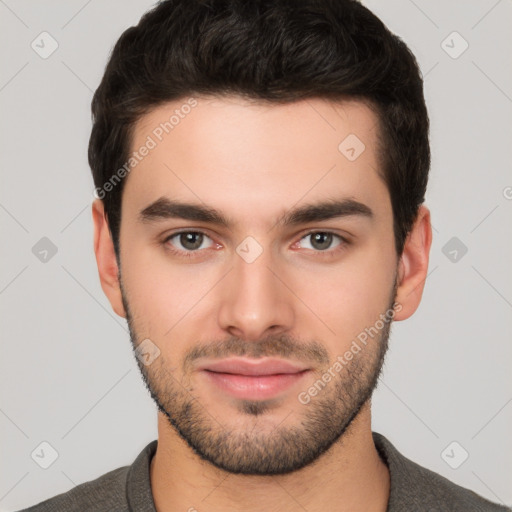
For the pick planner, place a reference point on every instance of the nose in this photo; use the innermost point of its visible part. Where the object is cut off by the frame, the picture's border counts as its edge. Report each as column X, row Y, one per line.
column 255, row 299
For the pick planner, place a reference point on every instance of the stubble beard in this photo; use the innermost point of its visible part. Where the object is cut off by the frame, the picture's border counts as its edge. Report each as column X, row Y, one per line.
column 321, row 422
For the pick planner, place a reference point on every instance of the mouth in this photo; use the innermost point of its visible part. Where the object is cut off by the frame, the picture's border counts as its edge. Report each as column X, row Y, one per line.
column 253, row 379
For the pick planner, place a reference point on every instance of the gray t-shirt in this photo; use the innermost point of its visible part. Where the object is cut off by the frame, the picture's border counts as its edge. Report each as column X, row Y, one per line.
column 413, row 489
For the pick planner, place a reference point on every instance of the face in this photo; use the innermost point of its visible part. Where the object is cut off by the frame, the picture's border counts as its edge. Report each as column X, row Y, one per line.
column 256, row 255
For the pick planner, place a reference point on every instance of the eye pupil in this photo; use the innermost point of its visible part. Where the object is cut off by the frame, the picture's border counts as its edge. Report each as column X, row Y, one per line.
column 321, row 241
column 191, row 241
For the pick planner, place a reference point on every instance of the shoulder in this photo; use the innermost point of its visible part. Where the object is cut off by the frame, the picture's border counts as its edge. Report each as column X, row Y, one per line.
column 121, row 490
column 108, row 492
column 414, row 487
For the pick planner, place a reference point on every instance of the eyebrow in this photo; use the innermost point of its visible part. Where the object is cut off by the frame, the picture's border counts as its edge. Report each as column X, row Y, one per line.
column 165, row 208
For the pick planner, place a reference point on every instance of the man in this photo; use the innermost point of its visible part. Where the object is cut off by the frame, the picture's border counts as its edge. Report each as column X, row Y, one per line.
column 260, row 172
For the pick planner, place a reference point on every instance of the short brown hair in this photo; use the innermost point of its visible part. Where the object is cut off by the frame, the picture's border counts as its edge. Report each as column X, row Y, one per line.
column 276, row 51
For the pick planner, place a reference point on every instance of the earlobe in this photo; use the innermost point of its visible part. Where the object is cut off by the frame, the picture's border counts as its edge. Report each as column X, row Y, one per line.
column 413, row 265
column 106, row 258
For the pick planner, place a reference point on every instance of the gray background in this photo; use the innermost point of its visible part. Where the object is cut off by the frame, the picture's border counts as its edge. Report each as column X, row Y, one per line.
column 68, row 376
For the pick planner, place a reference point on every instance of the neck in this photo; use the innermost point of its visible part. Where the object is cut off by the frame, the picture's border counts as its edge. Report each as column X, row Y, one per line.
column 338, row 480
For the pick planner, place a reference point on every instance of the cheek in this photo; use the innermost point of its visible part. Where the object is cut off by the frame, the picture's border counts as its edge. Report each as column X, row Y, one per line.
column 349, row 297
column 161, row 294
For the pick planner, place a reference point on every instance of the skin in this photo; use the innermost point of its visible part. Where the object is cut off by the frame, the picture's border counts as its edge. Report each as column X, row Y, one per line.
column 253, row 163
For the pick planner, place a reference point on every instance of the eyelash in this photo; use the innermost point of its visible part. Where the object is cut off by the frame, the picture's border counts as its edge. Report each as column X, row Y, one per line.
column 192, row 254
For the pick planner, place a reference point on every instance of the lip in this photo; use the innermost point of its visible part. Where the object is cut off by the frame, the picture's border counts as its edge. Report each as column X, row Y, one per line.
column 253, row 379
column 253, row 367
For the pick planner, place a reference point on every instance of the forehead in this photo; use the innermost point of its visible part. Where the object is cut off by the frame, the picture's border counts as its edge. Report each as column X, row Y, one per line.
column 231, row 123
column 262, row 157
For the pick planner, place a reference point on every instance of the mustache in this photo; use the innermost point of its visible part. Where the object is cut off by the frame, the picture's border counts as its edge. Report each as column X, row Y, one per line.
column 282, row 346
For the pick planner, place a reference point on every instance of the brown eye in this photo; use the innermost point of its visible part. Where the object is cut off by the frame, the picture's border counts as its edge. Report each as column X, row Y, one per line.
column 191, row 241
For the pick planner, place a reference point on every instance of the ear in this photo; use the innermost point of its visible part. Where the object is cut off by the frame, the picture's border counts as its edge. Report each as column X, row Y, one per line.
column 413, row 265
column 106, row 258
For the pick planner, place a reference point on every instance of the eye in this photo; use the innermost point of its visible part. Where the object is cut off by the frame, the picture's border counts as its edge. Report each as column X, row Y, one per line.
column 189, row 244
column 322, row 240
column 190, row 241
